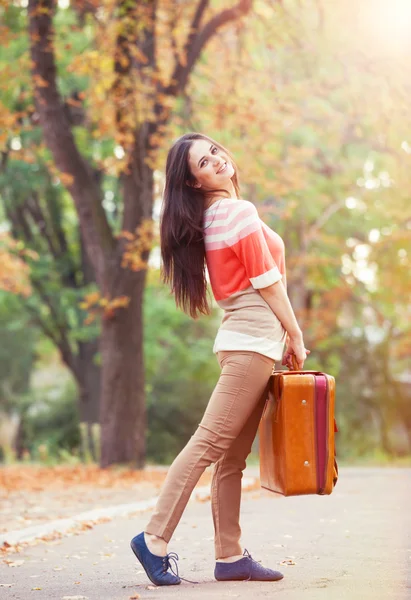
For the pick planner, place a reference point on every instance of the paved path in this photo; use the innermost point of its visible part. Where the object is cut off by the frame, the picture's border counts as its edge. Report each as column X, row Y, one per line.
column 355, row 544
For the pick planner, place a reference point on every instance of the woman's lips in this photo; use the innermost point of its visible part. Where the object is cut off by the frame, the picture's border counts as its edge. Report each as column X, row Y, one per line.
column 222, row 168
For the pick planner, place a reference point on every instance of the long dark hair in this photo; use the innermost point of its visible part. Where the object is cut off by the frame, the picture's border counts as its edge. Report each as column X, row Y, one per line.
column 181, row 228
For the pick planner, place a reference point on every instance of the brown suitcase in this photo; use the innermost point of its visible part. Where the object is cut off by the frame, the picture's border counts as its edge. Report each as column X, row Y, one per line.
column 297, row 451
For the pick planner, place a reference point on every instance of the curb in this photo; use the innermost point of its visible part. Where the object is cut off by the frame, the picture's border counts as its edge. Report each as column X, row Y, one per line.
column 61, row 526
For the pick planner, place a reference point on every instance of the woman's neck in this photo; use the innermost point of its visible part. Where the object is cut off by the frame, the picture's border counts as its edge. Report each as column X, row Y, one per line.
column 214, row 198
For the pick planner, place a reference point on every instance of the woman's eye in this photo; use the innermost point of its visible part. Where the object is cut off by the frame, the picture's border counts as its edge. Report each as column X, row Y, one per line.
column 213, row 151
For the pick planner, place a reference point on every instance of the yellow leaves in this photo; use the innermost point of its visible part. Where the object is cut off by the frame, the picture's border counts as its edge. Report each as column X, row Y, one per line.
column 13, row 563
column 7, row 118
column 137, row 246
column 66, row 179
column 89, row 300
column 73, row 102
column 39, row 81
column 9, row 124
column 114, row 166
column 41, row 10
column 14, row 272
column 99, row 67
column 138, row 54
column 102, row 307
column 166, row 100
column 289, row 562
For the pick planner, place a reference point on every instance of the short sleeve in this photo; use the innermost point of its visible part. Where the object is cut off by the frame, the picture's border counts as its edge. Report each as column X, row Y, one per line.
column 246, row 239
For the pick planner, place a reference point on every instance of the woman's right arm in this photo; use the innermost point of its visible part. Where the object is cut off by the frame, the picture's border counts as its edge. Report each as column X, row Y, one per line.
column 276, row 297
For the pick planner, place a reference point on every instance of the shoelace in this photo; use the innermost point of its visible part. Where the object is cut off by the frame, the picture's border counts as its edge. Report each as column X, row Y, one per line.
column 246, row 554
column 173, row 556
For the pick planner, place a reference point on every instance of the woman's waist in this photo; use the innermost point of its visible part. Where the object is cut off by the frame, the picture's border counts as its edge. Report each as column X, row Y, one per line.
column 251, row 318
column 247, row 299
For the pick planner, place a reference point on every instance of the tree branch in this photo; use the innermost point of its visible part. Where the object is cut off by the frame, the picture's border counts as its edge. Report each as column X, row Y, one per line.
column 60, row 337
column 197, row 40
column 32, row 205
column 323, row 218
column 79, row 177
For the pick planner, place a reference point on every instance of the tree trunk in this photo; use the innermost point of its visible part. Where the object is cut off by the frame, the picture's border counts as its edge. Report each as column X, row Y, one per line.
column 384, row 435
column 123, row 413
column 88, row 380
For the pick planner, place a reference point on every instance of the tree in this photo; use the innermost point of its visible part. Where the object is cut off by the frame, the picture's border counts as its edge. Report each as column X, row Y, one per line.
column 36, row 210
column 59, row 276
column 143, row 88
column 14, row 272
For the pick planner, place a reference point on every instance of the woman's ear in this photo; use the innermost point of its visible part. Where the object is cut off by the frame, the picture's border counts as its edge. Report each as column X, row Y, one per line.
column 196, row 185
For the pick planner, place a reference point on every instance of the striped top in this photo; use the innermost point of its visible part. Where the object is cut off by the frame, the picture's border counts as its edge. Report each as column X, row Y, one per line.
column 243, row 255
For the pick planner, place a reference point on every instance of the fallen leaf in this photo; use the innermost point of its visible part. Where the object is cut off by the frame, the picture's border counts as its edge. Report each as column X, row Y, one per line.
column 15, row 563
column 135, row 597
column 36, row 588
column 151, row 587
column 6, row 584
column 287, row 562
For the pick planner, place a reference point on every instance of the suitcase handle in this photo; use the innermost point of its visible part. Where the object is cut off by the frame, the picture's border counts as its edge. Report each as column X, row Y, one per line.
column 298, row 372
column 295, row 370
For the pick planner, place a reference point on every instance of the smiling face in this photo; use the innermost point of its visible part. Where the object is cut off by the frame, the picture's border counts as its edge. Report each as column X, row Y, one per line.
column 211, row 168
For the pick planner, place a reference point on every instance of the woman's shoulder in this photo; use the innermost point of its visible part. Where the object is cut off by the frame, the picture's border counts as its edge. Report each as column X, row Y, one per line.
column 237, row 205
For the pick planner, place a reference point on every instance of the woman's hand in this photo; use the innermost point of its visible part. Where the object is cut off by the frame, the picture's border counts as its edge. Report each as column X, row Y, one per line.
column 295, row 347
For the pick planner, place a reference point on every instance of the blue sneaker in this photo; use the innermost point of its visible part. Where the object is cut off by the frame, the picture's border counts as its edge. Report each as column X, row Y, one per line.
column 245, row 569
column 155, row 566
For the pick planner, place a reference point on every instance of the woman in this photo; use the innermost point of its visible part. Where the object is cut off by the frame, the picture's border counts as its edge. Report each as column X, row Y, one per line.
column 204, row 222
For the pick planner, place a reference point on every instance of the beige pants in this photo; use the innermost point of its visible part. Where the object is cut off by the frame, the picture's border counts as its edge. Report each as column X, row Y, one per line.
column 223, row 437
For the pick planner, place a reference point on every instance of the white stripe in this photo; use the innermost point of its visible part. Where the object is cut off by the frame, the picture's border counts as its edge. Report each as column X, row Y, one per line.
column 266, row 279
column 234, row 340
column 240, row 206
column 218, row 237
column 218, row 205
column 232, row 215
column 219, row 211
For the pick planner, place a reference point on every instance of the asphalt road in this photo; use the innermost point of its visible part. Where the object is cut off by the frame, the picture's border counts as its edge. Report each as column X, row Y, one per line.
column 354, row 544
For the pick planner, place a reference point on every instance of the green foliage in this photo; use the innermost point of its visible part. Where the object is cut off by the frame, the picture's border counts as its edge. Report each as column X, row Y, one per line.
column 181, row 372
column 51, row 430
column 17, row 351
